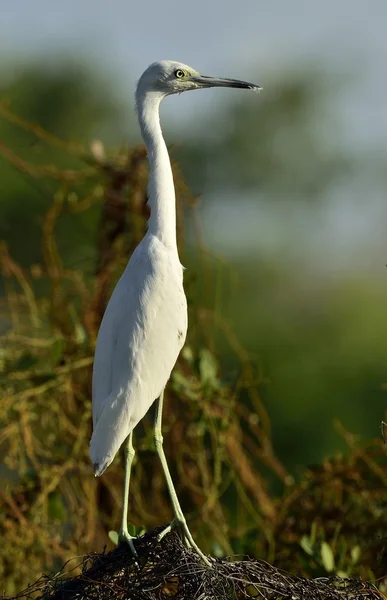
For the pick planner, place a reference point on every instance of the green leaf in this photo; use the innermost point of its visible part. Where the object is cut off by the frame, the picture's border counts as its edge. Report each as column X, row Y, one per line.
column 327, row 557
column 113, row 536
column 342, row 574
column 313, row 532
column 208, row 369
column 355, row 554
column 57, row 350
column 80, row 333
column 56, row 508
column 217, row 550
column 306, row 545
column 187, row 354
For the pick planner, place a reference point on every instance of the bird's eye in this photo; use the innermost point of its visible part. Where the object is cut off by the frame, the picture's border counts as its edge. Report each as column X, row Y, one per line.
column 179, row 73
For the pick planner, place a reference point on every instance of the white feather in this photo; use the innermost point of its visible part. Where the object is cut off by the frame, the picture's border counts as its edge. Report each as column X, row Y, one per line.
column 145, row 323
column 141, row 335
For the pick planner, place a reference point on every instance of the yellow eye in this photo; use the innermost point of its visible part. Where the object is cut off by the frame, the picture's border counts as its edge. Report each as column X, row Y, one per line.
column 179, row 74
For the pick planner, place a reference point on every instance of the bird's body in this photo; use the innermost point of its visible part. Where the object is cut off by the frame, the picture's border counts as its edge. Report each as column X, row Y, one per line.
column 144, row 329
column 145, row 323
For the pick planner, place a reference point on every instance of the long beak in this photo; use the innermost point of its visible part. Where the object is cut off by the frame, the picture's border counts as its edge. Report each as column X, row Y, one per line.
column 205, row 81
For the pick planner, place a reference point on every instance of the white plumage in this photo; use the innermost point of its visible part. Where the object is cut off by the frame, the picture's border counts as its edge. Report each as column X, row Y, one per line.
column 141, row 335
column 145, row 323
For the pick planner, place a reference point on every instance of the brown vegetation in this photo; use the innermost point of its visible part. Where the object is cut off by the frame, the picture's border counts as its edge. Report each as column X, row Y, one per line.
column 217, row 432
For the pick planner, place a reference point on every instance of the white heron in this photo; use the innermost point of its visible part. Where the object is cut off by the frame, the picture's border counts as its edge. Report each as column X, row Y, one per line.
column 145, row 323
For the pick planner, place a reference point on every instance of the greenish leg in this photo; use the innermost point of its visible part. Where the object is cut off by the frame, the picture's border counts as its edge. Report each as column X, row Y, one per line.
column 124, row 535
column 179, row 520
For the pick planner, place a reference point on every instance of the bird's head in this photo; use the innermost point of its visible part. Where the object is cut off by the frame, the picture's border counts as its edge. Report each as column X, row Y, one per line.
column 169, row 77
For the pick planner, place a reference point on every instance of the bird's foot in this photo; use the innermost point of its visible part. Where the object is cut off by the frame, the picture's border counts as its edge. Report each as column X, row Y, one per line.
column 125, row 537
column 181, row 524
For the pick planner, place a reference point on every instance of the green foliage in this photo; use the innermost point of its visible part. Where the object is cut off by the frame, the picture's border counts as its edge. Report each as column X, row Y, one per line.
column 323, row 555
column 75, row 106
column 113, row 537
column 312, row 318
column 133, row 531
column 238, row 495
column 54, row 507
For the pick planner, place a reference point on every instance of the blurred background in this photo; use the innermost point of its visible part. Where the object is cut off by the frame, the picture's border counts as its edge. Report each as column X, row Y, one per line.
column 282, row 229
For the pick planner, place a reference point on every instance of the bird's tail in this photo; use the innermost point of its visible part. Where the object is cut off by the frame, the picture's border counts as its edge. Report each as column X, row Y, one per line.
column 114, row 425
column 111, row 429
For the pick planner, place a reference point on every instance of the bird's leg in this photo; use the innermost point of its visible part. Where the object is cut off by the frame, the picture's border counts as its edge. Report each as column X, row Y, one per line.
column 124, row 535
column 179, row 519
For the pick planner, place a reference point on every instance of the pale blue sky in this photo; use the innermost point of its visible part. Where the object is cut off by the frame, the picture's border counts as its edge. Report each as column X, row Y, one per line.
column 252, row 39
column 215, row 36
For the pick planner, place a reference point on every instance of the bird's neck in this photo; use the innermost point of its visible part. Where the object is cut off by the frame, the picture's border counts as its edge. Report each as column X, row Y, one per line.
column 161, row 190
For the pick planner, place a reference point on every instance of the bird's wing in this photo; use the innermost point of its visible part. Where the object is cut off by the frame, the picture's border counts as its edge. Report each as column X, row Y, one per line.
column 141, row 335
